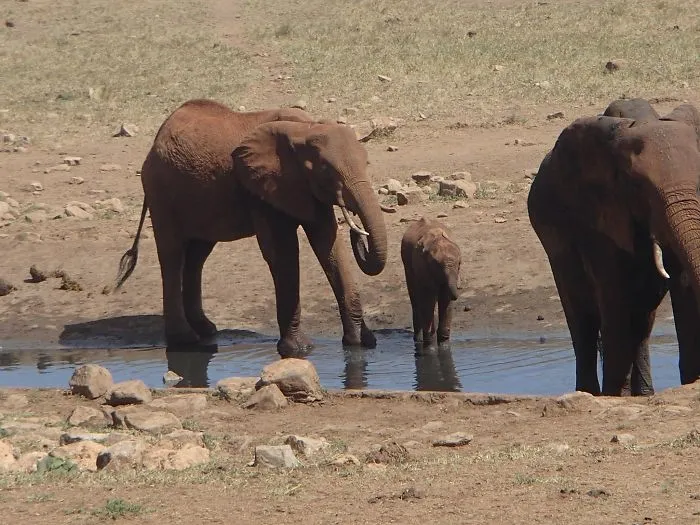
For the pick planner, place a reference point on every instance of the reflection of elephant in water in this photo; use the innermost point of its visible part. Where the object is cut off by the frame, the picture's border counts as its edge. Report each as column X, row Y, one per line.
column 435, row 370
column 281, row 174
column 191, row 363
column 615, row 207
column 431, row 263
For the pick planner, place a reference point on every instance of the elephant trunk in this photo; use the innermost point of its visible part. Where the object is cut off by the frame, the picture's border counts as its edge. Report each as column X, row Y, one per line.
column 683, row 213
column 370, row 256
column 452, row 287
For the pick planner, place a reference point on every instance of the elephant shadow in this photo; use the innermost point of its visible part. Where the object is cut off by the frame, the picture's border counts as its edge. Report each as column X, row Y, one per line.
column 141, row 331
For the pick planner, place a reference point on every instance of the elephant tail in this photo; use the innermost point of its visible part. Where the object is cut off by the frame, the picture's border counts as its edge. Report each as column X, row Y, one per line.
column 128, row 260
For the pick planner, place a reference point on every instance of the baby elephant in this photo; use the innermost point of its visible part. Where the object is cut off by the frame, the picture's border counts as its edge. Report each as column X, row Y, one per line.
column 431, row 261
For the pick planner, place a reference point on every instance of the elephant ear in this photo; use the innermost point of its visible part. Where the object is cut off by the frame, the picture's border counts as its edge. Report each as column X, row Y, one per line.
column 267, row 163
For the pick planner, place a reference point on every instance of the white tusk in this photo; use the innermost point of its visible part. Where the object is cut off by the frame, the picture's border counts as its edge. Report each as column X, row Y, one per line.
column 659, row 261
column 352, row 224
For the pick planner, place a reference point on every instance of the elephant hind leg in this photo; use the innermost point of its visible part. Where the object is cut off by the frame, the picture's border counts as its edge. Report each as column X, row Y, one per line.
column 196, row 254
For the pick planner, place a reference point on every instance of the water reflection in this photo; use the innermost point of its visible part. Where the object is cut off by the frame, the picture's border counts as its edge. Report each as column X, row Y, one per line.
column 191, row 363
column 435, row 369
column 355, row 376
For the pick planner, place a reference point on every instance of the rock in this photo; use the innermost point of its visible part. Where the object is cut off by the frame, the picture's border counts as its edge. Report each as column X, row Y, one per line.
column 341, row 120
column 91, row 381
column 87, row 415
column 131, row 392
column 442, row 215
column 236, row 388
column 112, row 204
column 457, row 188
column 389, row 453
column 330, row 100
column 498, row 67
column 383, row 191
column 411, row 196
column 36, row 186
column 28, row 462
column 6, row 288
column 500, row 220
column 275, row 456
column 296, row 378
column 623, row 439
column 380, row 126
column 457, row 439
column 76, row 180
column 72, row 161
column 623, row 411
column 126, row 454
column 393, row 186
column 170, row 378
column 153, row 422
column 179, row 438
column 345, row 459
column 615, row 64
column 110, row 167
column 555, row 115
column 168, row 459
column 384, row 78
column 306, row 446
column 74, row 437
column 392, row 148
column 578, row 401
column 269, row 397
column 422, row 177
column 461, row 175
column 83, row 453
column 300, row 104
column 8, row 457
column 182, row 405
column 79, row 210
column 58, row 167
column 350, row 111
column 36, row 216
column 126, row 130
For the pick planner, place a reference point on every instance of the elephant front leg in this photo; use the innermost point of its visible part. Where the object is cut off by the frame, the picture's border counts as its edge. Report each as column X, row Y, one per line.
column 445, row 309
column 685, row 315
column 333, row 257
column 277, row 238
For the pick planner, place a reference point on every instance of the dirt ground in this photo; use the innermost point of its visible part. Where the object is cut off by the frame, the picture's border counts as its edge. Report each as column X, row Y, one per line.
column 526, row 464
column 531, row 460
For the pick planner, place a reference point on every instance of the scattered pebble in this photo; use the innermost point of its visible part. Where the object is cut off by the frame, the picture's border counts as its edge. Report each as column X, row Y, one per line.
column 392, row 148
column 457, row 439
column 384, row 78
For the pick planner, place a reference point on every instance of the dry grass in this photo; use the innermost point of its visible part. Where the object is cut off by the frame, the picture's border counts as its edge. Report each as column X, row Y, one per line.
column 84, row 67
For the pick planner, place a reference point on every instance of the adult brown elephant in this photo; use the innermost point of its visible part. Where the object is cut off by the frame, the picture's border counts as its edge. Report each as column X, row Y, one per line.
column 615, row 207
column 214, row 175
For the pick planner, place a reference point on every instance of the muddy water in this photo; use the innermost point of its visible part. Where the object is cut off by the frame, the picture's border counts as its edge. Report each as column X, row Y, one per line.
column 510, row 363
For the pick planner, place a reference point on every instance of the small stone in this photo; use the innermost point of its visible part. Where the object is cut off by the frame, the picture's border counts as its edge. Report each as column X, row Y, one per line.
column 393, row 186
column 556, row 115
column 110, row 167
column 72, row 161
column 152, row 422
column 82, row 453
column 345, row 459
column 126, row 454
column 461, row 175
column 330, row 100
column 182, row 405
column 82, row 415
column 9, row 23
column 130, row 392
column 58, row 167
column 384, row 78
column 269, row 397
column 441, row 215
column 6, row 288
column 389, row 453
column 457, row 439
column 36, row 216
column 296, row 378
column 498, row 67
column 36, row 186
column 577, row 401
column 170, row 378
column 76, row 180
column 241, row 108
column 126, row 130
column 79, row 210
column 91, row 381
column 350, row 111
column 460, row 205
column 379, row 126
column 112, row 204
column 306, row 446
column 411, row 196
column 615, row 64
column 457, row 188
column 422, row 177
column 383, row 191
column 500, row 220
column 300, row 104
column 596, row 493
column 74, row 437
column 275, row 456
column 342, row 120
column 236, row 388
column 623, row 439
column 392, row 148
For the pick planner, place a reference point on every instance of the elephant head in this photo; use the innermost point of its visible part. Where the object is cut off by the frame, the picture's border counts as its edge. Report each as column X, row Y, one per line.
column 653, row 169
column 296, row 167
column 444, row 259
column 635, row 108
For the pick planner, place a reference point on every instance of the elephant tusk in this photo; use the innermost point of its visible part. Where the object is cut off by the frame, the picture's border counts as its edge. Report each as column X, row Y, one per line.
column 354, row 227
column 659, row 261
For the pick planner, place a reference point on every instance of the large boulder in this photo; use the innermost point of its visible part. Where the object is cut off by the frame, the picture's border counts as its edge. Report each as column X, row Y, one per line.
column 269, row 397
column 91, row 381
column 125, row 455
column 133, row 392
column 296, row 378
column 151, row 421
column 88, row 416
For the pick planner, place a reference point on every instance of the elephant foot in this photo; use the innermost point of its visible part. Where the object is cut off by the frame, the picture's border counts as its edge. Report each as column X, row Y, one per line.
column 299, row 346
column 443, row 337
column 365, row 338
column 181, row 337
column 203, row 326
